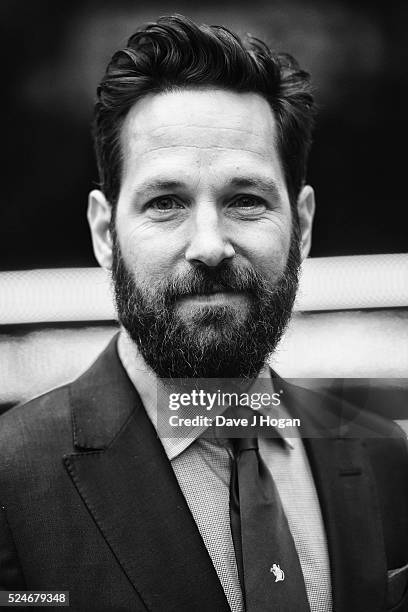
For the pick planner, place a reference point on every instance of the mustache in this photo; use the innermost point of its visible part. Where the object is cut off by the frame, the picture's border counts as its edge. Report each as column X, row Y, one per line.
column 204, row 280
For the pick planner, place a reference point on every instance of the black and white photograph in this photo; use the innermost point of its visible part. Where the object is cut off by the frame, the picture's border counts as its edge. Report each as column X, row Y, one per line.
column 204, row 306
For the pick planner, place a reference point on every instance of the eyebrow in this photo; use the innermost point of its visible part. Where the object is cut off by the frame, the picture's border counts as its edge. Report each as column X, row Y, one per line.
column 160, row 185
column 266, row 185
column 262, row 184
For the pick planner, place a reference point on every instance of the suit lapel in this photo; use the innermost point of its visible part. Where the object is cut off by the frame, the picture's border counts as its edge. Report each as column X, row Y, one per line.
column 348, row 499
column 129, row 487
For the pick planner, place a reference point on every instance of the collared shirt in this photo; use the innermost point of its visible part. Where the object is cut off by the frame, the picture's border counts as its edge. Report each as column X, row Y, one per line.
column 203, row 469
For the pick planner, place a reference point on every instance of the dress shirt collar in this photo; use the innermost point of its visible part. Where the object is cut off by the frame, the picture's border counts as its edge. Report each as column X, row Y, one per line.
column 149, row 387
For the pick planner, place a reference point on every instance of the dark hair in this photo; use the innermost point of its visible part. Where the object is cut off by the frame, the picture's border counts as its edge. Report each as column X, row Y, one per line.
column 174, row 53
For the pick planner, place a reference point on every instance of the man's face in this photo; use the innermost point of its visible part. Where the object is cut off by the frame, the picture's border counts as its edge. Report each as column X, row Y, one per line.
column 205, row 255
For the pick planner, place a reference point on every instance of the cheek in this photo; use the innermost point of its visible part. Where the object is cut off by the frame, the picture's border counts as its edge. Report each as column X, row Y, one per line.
column 267, row 249
column 149, row 257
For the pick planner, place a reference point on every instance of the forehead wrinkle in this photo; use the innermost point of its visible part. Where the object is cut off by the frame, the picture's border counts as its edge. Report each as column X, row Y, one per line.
column 136, row 140
column 137, row 130
column 219, row 104
column 135, row 136
column 219, row 128
column 209, row 148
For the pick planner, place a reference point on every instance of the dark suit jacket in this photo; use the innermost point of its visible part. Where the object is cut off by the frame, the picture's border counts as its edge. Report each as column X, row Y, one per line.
column 90, row 503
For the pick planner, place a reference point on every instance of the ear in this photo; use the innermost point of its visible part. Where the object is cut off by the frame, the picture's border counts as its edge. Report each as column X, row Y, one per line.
column 99, row 216
column 306, row 209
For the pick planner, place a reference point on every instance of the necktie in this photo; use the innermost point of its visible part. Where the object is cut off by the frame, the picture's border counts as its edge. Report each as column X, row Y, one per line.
column 268, row 564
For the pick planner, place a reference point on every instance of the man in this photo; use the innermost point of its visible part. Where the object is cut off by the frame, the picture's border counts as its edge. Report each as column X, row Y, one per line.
column 203, row 217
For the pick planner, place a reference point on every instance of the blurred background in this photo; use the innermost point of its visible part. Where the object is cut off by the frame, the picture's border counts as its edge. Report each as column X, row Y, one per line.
column 54, row 53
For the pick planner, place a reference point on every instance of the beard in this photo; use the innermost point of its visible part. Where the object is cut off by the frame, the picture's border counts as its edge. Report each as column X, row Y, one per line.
column 215, row 340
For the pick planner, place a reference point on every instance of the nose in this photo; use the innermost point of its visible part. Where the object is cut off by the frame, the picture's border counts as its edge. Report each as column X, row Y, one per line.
column 208, row 243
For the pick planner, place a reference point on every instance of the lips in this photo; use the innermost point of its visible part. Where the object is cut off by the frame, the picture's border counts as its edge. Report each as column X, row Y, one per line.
column 214, row 289
column 217, row 295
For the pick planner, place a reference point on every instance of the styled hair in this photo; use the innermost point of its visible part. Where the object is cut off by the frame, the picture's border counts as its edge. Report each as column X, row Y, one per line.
column 175, row 53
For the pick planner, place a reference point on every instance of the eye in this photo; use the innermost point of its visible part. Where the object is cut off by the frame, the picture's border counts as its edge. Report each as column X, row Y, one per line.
column 247, row 202
column 165, row 204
